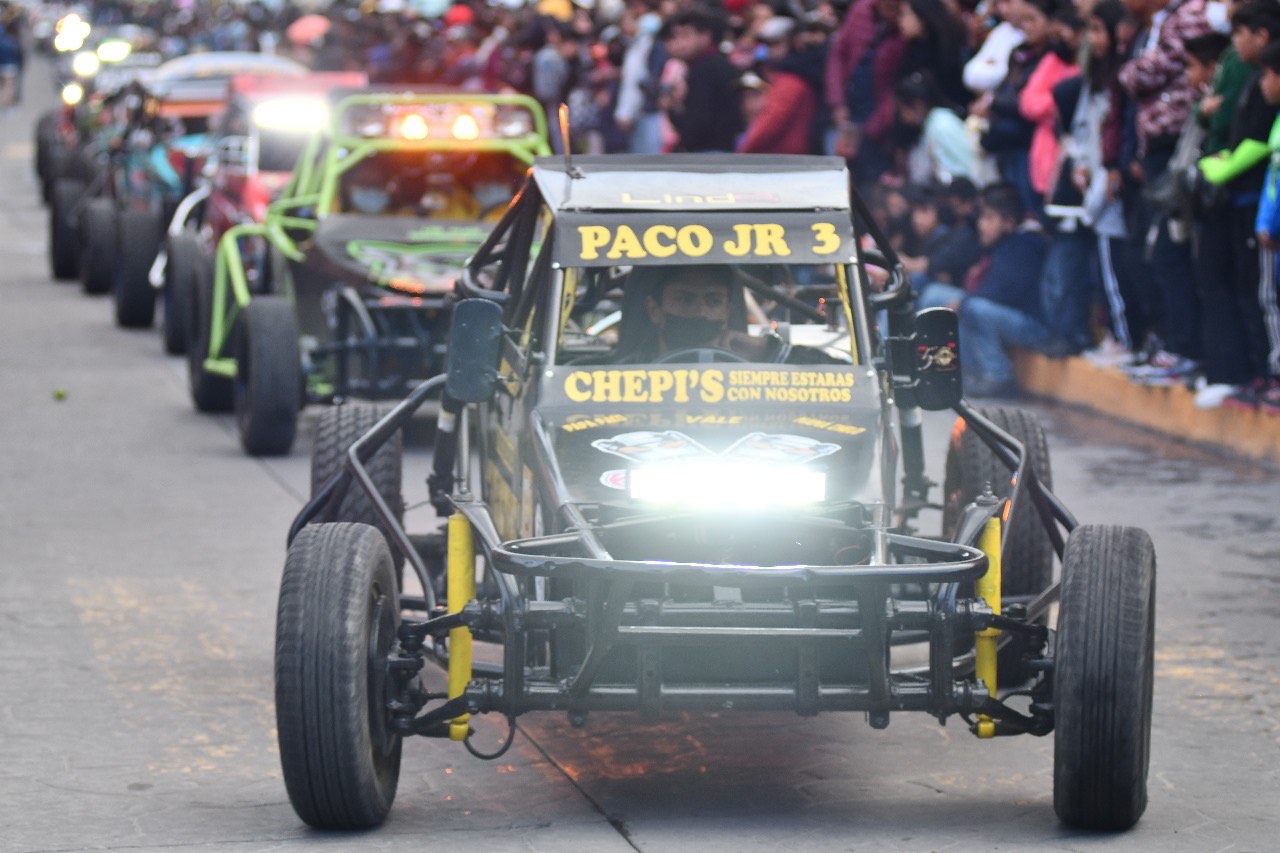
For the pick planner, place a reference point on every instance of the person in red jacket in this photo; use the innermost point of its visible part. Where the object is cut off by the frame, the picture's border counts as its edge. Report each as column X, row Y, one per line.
column 794, row 68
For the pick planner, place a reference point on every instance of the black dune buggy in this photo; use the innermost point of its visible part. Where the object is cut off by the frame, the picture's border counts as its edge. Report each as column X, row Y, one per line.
column 648, row 528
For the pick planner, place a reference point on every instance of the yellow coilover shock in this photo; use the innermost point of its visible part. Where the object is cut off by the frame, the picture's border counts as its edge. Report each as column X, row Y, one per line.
column 462, row 589
column 988, row 589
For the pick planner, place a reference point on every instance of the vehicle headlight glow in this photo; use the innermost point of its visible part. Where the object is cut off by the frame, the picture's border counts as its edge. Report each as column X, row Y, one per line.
column 72, row 94
column 85, row 64
column 465, row 127
column 114, row 51
column 300, row 114
column 726, row 485
column 72, row 33
column 414, row 126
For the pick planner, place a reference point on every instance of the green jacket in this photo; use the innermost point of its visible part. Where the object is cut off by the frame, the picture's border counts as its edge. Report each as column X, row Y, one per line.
column 1229, row 80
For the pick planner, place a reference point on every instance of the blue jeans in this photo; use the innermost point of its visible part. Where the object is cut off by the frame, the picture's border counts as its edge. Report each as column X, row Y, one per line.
column 986, row 328
column 646, row 136
column 1067, row 286
column 937, row 294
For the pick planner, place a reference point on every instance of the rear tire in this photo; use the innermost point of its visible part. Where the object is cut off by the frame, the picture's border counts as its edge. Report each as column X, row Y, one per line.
column 209, row 392
column 268, row 386
column 1028, row 553
column 1103, row 677
column 183, row 256
column 46, row 136
column 98, row 261
column 135, row 298
column 338, row 428
column 336, row 623
column 55, row 168
column 64, row 233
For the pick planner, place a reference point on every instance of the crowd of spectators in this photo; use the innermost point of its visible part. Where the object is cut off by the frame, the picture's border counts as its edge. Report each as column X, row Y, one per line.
column 1073, row 176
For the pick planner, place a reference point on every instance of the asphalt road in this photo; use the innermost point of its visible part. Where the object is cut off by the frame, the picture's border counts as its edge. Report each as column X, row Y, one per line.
column 140, row 557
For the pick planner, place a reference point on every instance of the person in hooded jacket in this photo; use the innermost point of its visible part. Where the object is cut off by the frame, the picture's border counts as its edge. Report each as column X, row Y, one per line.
column 794, row 69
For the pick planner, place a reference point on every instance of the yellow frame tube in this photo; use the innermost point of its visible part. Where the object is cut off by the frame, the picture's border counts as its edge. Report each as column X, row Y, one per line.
column 462, row 589
column 988, row 589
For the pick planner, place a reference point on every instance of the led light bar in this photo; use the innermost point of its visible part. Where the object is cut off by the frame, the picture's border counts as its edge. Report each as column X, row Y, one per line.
column 296, row 113
column 460, row 121
column 726, row 485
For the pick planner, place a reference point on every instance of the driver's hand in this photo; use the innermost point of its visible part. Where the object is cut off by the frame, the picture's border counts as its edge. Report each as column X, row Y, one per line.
column 740, row 343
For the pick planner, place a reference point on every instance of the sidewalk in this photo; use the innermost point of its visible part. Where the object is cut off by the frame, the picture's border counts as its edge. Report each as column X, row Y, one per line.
column 1077, row 382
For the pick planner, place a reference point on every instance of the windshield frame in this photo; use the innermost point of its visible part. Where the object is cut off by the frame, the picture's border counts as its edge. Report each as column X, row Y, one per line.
column 562, row 283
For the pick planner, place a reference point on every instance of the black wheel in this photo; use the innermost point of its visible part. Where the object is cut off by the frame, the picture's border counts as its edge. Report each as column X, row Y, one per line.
column 134, row 297
column 335, row 625
column 209, row 392
column 98, row 261
column 46, row 135
column 64, row 232
column 1103, row 675
column 268, row 386
column 1028, row 554
column 183, row 256
column 56, row 157
column 337, row 430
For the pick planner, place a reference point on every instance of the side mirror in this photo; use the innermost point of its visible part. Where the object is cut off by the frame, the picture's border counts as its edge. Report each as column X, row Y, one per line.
column 936, row 361
column 474, row 340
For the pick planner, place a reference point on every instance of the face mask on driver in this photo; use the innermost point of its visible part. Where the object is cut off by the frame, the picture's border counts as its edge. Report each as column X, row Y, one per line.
column 369, row 199
column 685, row 332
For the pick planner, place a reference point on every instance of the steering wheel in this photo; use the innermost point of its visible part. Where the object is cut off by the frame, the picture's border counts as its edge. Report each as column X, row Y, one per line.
column 700, row 355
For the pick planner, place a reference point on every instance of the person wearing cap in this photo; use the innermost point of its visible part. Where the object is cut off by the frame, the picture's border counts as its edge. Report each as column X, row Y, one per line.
column 787, row 118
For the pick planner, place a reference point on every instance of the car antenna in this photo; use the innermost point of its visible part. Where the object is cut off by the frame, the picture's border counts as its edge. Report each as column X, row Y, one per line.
column 563, row 116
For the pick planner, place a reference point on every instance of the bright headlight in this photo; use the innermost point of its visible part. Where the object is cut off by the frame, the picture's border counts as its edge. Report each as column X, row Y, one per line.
column 72, row 94
column 85, row 64
column 114, row 51
column 72, row 32
column 466, row 128
column 300, row 114
column 726, row 485
column 414, row 126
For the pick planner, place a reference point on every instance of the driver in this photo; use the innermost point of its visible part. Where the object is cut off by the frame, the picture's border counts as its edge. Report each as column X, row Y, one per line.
column 690, row 310
column 367, row 188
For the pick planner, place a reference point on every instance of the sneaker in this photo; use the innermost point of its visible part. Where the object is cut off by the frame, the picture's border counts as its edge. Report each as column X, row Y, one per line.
column 1246, row 399
column 1269, row 397
column 1109, row 353
column 1209, row 395
column 1165, row 369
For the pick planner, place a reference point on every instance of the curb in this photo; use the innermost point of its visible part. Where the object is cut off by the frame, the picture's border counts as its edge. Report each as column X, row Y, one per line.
column 1077, row 382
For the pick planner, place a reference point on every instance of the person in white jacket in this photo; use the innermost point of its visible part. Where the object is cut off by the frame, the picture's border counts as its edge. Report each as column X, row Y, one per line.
column 637, row 113
column 989, row 66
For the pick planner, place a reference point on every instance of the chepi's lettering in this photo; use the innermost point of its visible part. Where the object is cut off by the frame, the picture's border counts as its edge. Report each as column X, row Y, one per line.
column 645, row 386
